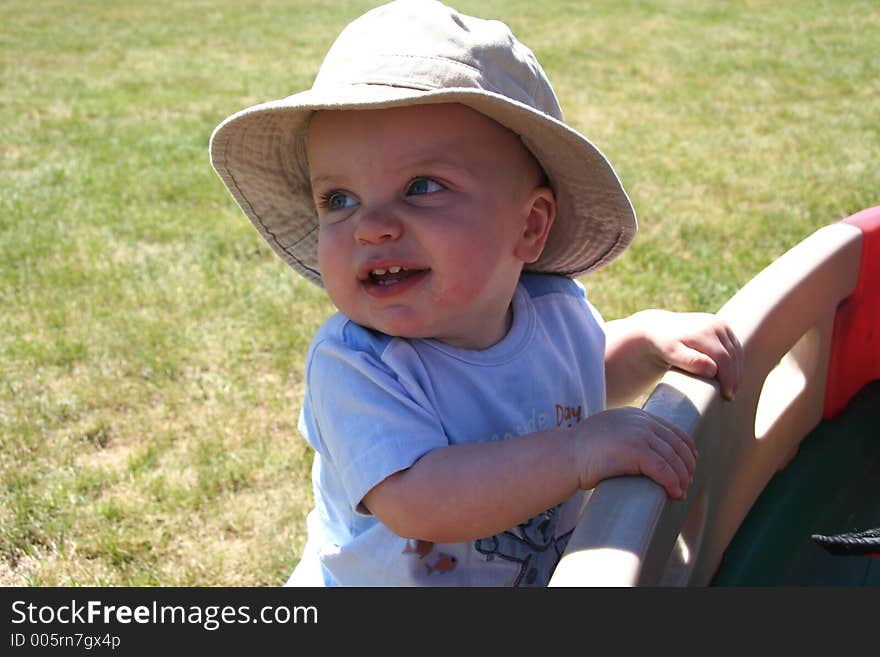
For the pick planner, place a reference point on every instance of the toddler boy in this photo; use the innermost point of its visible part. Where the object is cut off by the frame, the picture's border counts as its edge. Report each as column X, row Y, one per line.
column 456, row 403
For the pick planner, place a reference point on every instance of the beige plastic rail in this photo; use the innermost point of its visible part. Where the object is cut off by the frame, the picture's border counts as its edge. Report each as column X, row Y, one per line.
column 630, row 534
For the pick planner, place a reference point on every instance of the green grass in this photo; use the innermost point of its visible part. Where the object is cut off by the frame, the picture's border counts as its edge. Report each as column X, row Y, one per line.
column 151, row 347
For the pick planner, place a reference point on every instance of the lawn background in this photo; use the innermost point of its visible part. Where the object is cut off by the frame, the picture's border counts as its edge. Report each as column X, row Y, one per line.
column 151, row 346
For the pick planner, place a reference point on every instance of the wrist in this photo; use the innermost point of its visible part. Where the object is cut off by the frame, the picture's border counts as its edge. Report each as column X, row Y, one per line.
column 644, row 337
column 634, row 358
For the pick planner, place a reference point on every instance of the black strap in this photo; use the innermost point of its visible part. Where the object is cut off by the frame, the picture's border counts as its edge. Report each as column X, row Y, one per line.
column 852, row 543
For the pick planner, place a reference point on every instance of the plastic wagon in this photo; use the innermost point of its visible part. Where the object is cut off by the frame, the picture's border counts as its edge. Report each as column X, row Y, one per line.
column 795, row 454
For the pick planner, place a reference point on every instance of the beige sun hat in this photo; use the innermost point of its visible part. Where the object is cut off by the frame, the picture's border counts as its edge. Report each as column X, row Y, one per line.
column 413, row 52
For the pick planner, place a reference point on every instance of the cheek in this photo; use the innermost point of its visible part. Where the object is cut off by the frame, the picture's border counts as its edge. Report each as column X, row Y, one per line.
column 469, row 271
column 478, row 253
column 331, row 251
column 335, row 264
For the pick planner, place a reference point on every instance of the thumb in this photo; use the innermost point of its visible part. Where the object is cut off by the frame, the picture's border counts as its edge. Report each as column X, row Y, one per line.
column 693, row 361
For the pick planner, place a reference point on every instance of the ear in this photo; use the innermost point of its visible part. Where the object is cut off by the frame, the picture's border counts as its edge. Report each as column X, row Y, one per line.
column 539, row 211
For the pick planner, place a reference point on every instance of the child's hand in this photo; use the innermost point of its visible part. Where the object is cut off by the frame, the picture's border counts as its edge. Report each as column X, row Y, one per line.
column 698, row 343
column 641, row 347
column 630, row 441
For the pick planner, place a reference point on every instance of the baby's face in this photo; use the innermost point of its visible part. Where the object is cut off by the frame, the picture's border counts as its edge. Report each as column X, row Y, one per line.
column 427, row 214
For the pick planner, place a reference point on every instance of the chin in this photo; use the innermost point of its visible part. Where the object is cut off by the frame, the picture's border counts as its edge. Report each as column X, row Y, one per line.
column 396, row 328
column 403, row 331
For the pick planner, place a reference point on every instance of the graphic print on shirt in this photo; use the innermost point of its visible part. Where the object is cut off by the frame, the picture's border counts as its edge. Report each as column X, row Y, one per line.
column 534, row 544
column 445, row 564
column 417, row 547
column 441, row 563
column 531, row 544
column 568, row 415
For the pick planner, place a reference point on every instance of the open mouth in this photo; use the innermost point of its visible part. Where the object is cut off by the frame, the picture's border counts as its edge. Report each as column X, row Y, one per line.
column 393, row 275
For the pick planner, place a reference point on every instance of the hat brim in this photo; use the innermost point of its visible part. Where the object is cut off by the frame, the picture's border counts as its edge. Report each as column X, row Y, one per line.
column 259, row 154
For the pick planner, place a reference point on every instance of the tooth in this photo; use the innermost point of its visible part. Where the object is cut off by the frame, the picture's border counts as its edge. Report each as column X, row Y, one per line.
column 378, row 272
column 394, row 270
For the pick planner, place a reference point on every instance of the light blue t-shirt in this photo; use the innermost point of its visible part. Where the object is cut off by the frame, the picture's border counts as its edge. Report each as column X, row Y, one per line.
column 375, row 404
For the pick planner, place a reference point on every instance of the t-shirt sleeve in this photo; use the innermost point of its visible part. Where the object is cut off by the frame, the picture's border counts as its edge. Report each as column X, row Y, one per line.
column 361, row 419
column 594, row 312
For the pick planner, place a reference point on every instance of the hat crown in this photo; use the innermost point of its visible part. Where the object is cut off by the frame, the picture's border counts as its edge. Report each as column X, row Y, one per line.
column 423, row 44
column 412, row 52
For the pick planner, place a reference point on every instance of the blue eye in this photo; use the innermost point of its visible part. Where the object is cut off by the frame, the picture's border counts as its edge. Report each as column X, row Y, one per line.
column 423, row 186
column 337, row 201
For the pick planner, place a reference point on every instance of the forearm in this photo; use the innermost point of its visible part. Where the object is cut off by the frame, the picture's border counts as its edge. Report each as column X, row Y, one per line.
column 466, row 492
column 631, row 365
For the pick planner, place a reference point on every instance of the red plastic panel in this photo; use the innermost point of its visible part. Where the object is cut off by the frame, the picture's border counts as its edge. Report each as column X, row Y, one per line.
column 855, row 342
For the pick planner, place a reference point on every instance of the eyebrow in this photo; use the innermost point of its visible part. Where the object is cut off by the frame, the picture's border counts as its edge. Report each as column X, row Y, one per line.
column 433, row 162
column 423, row 164
column 324, row 178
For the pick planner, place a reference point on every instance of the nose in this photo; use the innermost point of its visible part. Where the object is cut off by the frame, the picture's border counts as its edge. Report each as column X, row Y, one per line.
column 377, row 226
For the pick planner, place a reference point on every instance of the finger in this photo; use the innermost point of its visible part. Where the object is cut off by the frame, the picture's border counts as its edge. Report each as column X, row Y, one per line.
column 677, row 431
column 692, row 361
column 739, row 354
column 729, row 367
column 682, row 450
column 726, row 361
column 677, row 453
column 653, row 465
column 723, row 348
column 673, row 459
